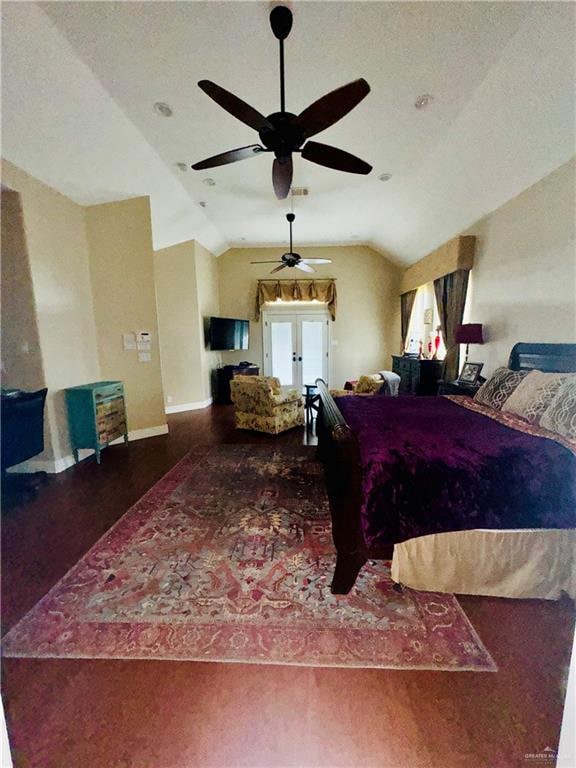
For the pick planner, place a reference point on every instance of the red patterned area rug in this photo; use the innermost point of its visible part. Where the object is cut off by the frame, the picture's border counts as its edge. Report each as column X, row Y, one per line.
column 229, row 558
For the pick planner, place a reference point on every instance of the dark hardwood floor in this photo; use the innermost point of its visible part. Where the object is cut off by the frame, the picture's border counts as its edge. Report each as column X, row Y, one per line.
column 67, row 713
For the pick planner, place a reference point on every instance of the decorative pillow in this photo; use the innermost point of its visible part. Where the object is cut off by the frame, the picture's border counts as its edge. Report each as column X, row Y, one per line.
column 368, row 384
column 560, row 416
column 534, row 394
column 498, row 388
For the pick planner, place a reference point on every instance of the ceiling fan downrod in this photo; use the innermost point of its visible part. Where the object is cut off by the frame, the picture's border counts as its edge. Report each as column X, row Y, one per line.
column 281, row 23
column 290, row 217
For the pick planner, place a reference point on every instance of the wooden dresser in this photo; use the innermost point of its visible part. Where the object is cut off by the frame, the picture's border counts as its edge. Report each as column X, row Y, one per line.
column 96, row 415
column 417, row 377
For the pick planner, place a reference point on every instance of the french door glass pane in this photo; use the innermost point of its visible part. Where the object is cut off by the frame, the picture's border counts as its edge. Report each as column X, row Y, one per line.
column 282, row 345
column 312, row 352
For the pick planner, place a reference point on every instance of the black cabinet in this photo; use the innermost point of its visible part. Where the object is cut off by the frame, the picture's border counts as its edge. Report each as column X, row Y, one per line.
column 417, row 377
column 225, row 374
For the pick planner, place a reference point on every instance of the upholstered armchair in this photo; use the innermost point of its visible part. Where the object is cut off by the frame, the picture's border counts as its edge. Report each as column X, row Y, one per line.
column 382, row 383
column 261, row 404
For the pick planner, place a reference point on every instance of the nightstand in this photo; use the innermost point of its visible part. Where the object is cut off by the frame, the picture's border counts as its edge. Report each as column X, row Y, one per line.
column 456, row 388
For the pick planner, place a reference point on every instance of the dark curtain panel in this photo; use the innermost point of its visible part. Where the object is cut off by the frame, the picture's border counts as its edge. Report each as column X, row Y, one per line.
column 406, row 304
column 450, row 292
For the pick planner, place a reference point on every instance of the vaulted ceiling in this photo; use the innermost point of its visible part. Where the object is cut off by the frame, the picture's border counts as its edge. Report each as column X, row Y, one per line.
column 80, row 80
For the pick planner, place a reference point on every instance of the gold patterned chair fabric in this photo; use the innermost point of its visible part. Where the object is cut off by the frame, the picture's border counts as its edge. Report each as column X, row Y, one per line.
column 384, row 382
column 366, row 385
column 262, row 405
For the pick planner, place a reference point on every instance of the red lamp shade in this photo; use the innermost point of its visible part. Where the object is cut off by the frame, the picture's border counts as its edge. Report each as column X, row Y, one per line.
column 469, row 333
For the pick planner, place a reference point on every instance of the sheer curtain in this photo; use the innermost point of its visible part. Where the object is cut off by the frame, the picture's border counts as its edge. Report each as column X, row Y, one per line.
column 450, row 292
column 406, row 305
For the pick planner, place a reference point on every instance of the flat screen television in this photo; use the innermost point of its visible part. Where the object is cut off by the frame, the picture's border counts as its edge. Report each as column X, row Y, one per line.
column 226, row 333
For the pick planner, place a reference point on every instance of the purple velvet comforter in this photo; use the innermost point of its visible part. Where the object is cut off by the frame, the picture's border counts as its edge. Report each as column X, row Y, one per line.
column 432, row 465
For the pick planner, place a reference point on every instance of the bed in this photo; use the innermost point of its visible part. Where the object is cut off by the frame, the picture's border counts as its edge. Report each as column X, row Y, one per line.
column 460, row 497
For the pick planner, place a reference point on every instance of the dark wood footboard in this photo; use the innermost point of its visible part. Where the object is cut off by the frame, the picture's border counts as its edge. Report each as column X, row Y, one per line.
column 339, row 452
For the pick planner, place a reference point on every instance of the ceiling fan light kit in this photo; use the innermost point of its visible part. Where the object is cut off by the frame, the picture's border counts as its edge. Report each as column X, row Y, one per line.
column 285, row 133
column 292, row 259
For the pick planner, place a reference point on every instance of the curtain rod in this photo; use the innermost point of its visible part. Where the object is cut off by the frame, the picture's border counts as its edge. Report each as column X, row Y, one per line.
column 288, row 280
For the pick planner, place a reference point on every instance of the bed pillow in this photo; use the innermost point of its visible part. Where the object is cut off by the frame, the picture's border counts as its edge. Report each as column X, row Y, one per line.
column 560, row 416
column 368, row 384
column 534, row 394
column 498, row 388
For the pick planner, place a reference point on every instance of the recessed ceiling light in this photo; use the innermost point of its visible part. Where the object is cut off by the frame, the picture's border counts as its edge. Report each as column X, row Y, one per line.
column 161, row 108
column 209, row 182
column 182, row 166
column 424, row 100
column 202, row 204
column 385, row 176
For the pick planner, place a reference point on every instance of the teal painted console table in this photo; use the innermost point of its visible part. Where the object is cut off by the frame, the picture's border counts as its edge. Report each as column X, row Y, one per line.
column 96, row 415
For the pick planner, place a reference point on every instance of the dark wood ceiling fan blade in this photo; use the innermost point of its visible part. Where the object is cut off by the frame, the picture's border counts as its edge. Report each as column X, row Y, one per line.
column 275, row 261
column 282, row 266
column 304, row 267
column 332, row 157
column 232, row 156
column 282, row 177
column 235, row 106
column 330, row 108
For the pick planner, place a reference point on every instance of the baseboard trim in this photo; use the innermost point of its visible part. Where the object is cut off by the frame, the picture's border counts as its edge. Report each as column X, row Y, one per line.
column 196, row 406
column 140, row 434
column 54, row 466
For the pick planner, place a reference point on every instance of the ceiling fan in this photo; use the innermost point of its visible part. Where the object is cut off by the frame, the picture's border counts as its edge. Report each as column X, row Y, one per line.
column 292, row 259
column 283, row 132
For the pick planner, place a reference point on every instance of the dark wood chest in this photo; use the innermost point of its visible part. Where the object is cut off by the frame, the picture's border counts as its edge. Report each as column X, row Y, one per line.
column 417, row 377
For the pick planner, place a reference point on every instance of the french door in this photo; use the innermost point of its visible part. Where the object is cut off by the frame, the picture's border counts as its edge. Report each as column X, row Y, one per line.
column 296, row 347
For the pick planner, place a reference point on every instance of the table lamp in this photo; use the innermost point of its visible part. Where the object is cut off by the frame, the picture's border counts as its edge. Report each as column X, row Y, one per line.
column 469, row 333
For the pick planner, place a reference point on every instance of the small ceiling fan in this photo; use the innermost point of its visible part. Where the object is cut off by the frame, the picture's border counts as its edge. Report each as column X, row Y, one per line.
column 292, row 259
column 283, row 132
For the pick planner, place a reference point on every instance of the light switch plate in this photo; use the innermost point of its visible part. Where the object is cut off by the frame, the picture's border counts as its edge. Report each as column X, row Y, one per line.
column 129, row 341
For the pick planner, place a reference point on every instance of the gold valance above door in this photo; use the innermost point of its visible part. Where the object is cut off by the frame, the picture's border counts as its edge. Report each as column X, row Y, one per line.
column 297, row 290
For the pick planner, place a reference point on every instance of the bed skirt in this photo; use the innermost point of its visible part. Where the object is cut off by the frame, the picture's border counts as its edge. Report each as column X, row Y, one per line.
column 521, row 563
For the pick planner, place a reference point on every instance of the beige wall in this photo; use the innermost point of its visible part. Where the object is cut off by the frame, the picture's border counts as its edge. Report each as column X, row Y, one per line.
column 187, row 294
column 58, row 256
column 523, row 285
column 208, row 306
column 21, row 358
column 367, row 325
column 178, row 322
column 122, row 272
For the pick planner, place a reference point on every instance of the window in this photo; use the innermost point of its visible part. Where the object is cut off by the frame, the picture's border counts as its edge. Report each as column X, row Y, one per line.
column 424, row 321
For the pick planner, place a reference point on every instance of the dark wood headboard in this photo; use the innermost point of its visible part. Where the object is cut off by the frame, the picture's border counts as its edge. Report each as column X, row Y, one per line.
column 552, row 358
